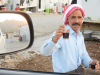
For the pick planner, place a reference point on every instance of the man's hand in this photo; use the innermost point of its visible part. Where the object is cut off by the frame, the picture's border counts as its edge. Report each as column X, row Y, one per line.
column 59, row 33
column 96, row 66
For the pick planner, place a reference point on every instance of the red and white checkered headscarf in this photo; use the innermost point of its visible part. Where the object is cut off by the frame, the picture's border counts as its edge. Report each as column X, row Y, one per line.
column 69, row 9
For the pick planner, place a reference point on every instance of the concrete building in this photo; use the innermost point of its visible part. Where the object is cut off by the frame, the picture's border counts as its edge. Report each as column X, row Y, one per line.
column 91, row 8
column 44, row 4
column 32, row 5
column 24, row 32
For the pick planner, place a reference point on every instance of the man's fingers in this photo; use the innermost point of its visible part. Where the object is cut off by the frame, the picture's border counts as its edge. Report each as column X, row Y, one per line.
column 97, row 62
column 90, row 64
column 96, row 67
column 61, row 31
column 62, row 26
column 96, row 70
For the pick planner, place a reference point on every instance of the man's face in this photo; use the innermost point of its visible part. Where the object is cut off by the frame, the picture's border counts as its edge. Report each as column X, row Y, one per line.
column 75, row 20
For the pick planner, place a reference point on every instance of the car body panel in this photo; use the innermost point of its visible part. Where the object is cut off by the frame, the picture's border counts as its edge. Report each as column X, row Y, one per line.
column 26, row 72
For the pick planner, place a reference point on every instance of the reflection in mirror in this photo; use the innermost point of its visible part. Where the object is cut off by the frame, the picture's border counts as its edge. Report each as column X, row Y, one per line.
column 14, row 32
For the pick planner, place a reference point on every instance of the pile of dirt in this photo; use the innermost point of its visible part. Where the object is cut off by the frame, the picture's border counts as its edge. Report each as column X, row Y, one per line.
column 93, row 48
column 39, row 63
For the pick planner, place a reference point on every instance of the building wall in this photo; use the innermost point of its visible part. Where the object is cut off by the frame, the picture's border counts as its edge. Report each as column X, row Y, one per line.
column 69, row 2
column 42, row 4
column 65, row 1
column 92, row 8
column 5, row 1
column 24, row 30
column 32, row 3
column 79, row 2
column 36, row 3
column 52, row 2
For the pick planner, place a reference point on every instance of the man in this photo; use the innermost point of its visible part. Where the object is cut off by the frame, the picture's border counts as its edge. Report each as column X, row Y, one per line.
column 69, row 54
column 27, row 1
column 10, row 40
column 6, row 36
column 17, row 7
column 21, row 2
column 20, row 38
column 66, row 5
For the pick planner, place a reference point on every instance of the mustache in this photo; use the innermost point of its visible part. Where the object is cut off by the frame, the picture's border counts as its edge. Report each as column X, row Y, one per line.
column 76, row 24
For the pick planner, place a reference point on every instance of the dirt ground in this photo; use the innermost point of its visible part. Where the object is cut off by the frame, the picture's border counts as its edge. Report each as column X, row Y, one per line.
column 38, row 63
column 93, row 49
column 44, row 63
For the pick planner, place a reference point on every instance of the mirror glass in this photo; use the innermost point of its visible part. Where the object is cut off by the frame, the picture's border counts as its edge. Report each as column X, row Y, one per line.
column 14, row 32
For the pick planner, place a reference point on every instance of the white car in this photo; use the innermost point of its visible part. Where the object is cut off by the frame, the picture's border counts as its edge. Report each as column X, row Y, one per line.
column 16, row 34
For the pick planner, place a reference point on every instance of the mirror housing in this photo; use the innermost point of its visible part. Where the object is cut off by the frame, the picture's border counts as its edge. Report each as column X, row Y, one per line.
column 31, row 30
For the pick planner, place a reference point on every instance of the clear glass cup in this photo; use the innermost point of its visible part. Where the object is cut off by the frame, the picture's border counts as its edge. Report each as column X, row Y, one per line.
column 93, row 64
column 66, row 35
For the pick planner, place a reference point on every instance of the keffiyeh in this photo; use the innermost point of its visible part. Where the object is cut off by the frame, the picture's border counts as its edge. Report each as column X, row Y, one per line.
column 69, row 9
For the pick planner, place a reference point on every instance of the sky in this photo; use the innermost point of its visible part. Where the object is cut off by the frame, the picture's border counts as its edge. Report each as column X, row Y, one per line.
column 6, row 16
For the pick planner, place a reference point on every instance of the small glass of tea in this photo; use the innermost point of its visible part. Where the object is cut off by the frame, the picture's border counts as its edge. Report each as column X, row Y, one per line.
column 93, row 64
column 66, row 35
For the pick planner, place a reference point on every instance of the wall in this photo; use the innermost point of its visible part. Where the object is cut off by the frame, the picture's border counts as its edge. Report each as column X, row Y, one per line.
column 5, row 1
column 24, row 30
column 92, row 8
column 32, row 3
column 61, row 1
column 55, row 1
column 65, row 1
column 69, row 2
column 42, row 4
column 79, row 2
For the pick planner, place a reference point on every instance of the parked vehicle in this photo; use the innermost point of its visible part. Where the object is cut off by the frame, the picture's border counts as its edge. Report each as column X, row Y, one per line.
column 16, row 34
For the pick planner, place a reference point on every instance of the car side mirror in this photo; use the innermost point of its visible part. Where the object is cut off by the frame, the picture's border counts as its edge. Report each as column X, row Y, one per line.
column 16, row 32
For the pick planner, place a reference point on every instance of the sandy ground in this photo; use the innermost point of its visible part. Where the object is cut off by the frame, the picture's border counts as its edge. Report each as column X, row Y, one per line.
column 45, row 23
column 6, row 46
column 31, row 59
column 16, row 44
